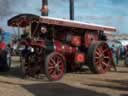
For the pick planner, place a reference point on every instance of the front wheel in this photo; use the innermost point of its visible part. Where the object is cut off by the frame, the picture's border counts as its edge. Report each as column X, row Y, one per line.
column 55, row 66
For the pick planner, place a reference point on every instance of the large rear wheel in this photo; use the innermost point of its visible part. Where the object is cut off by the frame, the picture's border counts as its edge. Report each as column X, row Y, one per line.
column 55, row 66
column 99, row 57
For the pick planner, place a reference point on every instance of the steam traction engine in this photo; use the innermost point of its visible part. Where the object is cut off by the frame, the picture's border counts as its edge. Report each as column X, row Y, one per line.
column 55, row 46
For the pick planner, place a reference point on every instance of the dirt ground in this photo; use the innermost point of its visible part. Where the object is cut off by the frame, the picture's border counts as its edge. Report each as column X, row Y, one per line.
column 73, row 84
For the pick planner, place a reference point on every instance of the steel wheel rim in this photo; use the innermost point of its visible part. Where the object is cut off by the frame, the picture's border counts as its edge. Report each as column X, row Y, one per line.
column 56, row 67
column 102, row 58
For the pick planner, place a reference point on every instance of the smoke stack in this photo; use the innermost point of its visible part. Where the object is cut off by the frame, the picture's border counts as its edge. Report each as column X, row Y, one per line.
column 71, row 10
column 44, row 10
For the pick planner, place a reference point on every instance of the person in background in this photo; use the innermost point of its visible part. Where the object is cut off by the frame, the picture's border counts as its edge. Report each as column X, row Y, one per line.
column 9, row 49
column 118, row 55
column 114, row 54
column 126, row 56
column 2, row 43
column 122, row 50
column 14, row 47
column 2, row 49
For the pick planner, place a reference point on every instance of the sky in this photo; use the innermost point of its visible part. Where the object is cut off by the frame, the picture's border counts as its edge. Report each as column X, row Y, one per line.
column 104, row 12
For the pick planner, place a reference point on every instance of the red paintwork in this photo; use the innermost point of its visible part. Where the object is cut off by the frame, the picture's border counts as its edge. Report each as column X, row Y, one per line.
column 89, row 37
column 76, row 41
column 80, row 58
column 34, row 43
column 2, row 45
column 24, row 42
column 38, row 43
column 58, row 46
column 64, row 48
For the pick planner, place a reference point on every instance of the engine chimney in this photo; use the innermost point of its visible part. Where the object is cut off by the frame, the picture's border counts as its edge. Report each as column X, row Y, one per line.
column 44, row 10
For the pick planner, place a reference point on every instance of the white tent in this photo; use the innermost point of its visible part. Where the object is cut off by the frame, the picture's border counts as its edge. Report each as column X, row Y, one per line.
column 123, row 42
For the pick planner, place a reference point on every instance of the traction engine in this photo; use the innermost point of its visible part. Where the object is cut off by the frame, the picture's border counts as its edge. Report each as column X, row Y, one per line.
column 55, row 46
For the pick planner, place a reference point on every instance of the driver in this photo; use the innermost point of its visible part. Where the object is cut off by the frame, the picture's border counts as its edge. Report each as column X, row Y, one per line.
column 43, row 32
column 25, row 34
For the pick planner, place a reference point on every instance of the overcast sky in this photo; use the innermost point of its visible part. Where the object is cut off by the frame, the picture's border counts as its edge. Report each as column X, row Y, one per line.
column 105, row 12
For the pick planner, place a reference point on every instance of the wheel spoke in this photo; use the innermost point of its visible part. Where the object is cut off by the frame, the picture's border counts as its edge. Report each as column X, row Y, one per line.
column 105, row 50
column 51, row 64
column 59, row 61
column 54, row 72
column 106, row 57
column 97, row 57
column 58, row 70
column 99, row 51
column 105, row 64
column 99, row 67
column 97, row 63
column 102, row 51
column 53, row 61
column 50, row 71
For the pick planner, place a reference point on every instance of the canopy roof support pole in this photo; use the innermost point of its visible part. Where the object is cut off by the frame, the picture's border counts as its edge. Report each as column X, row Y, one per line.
column 71, row 10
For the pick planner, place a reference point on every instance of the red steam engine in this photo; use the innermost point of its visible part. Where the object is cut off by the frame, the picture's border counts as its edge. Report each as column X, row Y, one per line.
column 55, row 46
